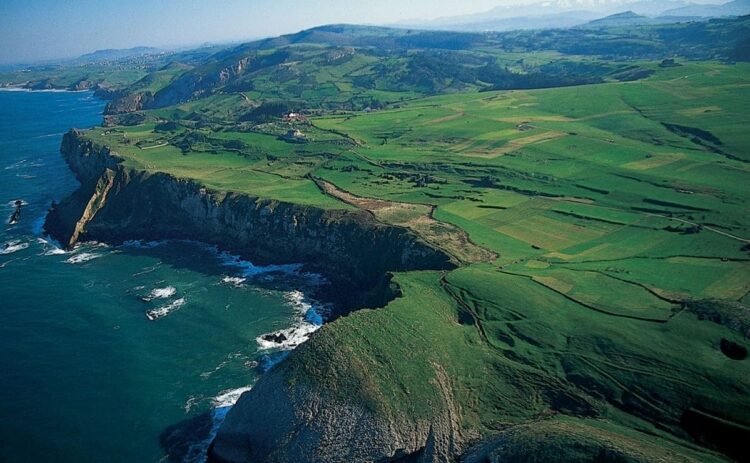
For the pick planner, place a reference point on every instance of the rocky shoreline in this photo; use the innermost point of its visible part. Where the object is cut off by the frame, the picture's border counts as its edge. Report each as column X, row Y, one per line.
column 351, row 249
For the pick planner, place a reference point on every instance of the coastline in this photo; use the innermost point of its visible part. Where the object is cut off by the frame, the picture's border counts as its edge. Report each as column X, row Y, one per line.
column 80, row 257
column 351, row 250
column 44, row 90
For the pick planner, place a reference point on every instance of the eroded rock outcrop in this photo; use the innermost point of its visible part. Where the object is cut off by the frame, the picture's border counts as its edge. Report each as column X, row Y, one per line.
column 199, row 83
column 289, row 418
column 129, row 103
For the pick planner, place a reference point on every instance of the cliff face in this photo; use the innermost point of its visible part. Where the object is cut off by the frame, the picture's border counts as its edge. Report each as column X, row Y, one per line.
column 115, row 204
column 201, row 82
column 129, row 103
column 188, row 86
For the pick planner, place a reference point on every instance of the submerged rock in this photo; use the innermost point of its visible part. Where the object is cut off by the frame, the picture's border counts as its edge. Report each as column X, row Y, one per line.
column 16, row 213
column 277, row 338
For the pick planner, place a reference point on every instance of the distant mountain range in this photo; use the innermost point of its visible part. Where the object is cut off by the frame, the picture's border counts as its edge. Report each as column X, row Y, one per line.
column 734, row 8
column 589, row 13
column 627, row 18
column 112, row 54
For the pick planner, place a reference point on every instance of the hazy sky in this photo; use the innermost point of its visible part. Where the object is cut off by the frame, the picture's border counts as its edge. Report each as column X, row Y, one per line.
column 32, row 30
column 43, row 29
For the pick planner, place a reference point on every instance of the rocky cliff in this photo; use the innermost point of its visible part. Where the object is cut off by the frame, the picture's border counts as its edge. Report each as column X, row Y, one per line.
column 288, row 417
column 281, row 419
column 190, row 85
column 128, row 103
column 116, row 203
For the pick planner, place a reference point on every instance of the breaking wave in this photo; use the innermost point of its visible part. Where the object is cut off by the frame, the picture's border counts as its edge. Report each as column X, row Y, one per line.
column 308, row 319
column 165, row 310
column 248, row 269
column 160, row 293
column 234, row 281
column 13, row 246
column 83, row 257
column 221, row 404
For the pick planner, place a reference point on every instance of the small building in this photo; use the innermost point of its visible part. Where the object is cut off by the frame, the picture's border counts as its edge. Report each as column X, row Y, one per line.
column 294, row 117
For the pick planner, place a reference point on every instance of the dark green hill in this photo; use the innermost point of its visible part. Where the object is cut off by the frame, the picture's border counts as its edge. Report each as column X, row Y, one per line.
column 627, row 18
column 345, row 66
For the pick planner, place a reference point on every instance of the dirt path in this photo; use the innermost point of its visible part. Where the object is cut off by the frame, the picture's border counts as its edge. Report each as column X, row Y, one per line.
column 705, row 227
column 447, row 118
column 154, row 146
column 418, row 218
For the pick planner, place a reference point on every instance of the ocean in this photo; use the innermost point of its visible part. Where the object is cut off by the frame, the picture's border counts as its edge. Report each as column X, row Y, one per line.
column 131, row 353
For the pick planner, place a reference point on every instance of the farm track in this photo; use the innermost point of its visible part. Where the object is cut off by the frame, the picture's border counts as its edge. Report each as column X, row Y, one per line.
column 419, row 219
column 582, row 303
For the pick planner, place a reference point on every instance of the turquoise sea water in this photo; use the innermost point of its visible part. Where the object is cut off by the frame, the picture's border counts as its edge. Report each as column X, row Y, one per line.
column 85, row 376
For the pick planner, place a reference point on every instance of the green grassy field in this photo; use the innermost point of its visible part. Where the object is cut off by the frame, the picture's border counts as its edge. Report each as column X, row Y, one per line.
column 605, row 212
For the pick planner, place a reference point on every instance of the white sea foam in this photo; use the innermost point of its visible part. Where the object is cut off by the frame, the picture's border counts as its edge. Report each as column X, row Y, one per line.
column 13, row 246
column 288, row 338
column 229, row 397
column 191, row 402
column 46, row 90
column 221, row 405
column 50, row 247
column 50, row 135
column 308, row 320
column 16, row 165
column 248, row 269
column 165, row 310
column 12, row 204
column 234, row 281
column 244, row 268
column 54, row 251
column 160, row 293
column 232, row 357
column 82, row 257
